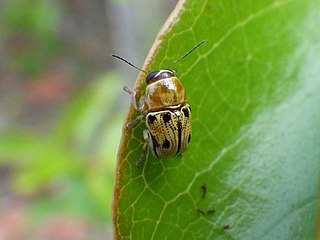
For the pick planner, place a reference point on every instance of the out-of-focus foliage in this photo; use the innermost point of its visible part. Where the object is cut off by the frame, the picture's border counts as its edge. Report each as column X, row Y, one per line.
column 60, row 116
column 32, row 29
column 66, row 158
column 62, row 104
column 69, row 169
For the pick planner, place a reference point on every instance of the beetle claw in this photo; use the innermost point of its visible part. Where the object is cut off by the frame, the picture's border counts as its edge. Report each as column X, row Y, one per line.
column 131, row 124
column 127, row 89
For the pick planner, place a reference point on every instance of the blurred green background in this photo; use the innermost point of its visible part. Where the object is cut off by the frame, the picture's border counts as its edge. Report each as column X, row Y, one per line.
column 62, row 107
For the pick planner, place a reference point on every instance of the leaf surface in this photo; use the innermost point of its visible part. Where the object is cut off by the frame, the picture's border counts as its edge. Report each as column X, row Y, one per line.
column 252, row 168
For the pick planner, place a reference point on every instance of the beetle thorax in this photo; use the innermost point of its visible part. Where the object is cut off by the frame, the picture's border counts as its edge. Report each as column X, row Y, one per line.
column 165, row 93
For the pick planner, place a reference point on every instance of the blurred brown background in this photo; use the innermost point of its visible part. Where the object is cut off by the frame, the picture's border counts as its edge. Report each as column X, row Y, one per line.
column 62, row 107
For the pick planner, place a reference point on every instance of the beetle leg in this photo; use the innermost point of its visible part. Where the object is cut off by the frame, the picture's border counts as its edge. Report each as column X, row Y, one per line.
column 135, row 121
column 146, row 138
column 133, row 96
column 137, row 105
column 142, row 157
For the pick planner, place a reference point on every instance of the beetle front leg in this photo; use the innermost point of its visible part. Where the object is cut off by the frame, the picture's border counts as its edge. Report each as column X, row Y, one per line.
column 133, row 96
column 139, row 106
column 143, row 155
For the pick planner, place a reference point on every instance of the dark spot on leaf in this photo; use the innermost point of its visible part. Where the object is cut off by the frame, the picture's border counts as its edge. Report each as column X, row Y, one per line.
column 211, row 211
column 200, row 211
column 226, row 227
column 204, row 190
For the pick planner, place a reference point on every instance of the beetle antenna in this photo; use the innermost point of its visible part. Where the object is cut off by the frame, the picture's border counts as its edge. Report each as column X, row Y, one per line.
column 190, row 51
column 126, row 61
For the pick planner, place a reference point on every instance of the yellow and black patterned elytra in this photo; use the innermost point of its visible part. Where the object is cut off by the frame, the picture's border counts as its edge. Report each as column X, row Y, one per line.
column 166, row 112
column 169, row 131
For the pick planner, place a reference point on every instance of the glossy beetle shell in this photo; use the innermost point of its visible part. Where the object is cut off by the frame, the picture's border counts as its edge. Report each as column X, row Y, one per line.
column 164, row 93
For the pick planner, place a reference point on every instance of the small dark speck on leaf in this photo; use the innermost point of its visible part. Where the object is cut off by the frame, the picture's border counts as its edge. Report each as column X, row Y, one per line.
column 211, row 211
column 200, row 211
column 204, row 190
column 226, row 227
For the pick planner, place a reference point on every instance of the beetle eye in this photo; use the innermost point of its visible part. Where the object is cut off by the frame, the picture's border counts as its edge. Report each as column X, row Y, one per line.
column 158, row 75
column 151, row 76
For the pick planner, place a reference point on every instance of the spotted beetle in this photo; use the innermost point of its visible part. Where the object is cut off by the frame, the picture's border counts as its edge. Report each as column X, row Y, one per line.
column 166, row 111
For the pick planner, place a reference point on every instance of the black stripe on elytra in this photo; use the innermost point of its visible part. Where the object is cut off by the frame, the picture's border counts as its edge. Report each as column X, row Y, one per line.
column 179, row 136
column 186, row 112
column 155, row 145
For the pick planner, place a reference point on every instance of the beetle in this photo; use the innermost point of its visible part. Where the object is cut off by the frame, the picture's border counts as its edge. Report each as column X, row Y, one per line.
column 165, row 110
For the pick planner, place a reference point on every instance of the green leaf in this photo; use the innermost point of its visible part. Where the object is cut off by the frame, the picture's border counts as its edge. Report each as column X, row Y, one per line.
column 254, row 91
